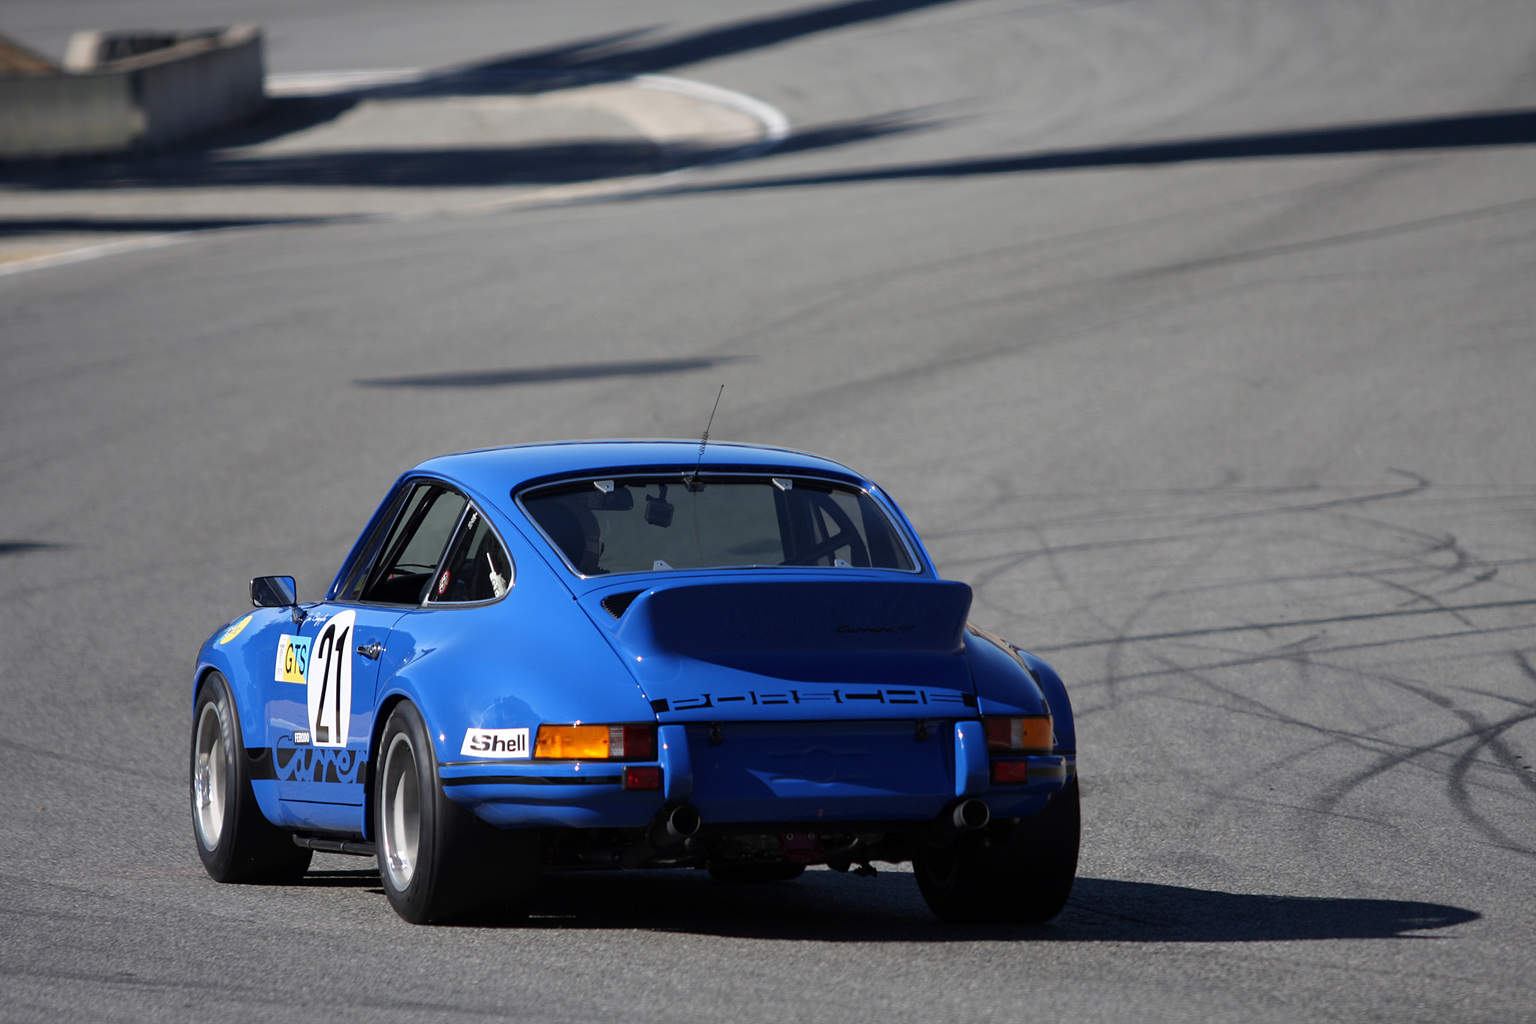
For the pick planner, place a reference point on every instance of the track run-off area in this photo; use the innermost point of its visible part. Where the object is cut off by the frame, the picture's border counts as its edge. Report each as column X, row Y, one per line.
column 1197, row 336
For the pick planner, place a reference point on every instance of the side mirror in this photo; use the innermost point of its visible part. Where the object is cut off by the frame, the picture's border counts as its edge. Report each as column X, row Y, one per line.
column 274, row 592
column 277, row 592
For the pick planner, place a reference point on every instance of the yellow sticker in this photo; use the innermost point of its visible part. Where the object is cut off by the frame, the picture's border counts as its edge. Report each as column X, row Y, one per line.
column 292, row 659
column 234, row 631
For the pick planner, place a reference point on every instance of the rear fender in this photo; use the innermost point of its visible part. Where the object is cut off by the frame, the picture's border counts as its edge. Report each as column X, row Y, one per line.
column 1004, row 686
column 1055, row 692
column 532, row 657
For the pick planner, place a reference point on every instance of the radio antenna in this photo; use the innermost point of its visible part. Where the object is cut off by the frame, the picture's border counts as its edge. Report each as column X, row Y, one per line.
column 704, row 441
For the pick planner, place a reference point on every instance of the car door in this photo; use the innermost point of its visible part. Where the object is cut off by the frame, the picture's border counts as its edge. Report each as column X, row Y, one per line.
column 337, row 652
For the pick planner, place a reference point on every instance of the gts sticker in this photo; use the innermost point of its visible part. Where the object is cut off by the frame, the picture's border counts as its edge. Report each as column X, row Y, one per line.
column 500, row 743
column 292, row 659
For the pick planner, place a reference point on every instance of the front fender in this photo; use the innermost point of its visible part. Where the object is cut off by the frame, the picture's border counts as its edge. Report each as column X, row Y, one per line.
column 242, row 652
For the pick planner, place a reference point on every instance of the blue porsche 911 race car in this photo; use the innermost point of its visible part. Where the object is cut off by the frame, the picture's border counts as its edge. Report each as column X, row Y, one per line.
column 632, row 654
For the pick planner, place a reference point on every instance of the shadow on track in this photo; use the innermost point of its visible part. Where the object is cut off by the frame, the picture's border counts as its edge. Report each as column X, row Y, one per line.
column 156, row 225
column 823, row 906
column 630, row 54
column 608, row 58
column 1499, row 128
column 22, row 547
column 463, row 167
column 550, row 374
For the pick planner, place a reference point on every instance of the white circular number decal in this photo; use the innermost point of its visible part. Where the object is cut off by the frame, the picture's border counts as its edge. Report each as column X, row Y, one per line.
column 329, row 680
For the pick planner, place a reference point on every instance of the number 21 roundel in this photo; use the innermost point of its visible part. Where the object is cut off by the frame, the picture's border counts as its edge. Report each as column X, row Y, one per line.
column 329, row 681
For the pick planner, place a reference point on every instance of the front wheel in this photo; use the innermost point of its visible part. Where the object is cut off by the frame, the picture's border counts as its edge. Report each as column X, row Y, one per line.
column 439, row 862
column 234, row 840
column 1019, row 873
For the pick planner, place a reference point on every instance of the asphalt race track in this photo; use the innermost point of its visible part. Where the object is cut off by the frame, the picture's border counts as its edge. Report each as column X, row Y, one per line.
column 1198, row 336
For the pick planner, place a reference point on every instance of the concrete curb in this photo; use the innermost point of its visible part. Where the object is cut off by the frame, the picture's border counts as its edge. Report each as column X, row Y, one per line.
column 133, row 91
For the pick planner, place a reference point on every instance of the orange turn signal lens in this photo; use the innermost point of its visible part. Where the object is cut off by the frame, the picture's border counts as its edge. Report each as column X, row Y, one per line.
column 1031, row 732
column 572, row 742
column 596, row 742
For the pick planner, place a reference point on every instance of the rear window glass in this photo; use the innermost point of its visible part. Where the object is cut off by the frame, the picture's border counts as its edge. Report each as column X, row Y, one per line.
column 640, row 524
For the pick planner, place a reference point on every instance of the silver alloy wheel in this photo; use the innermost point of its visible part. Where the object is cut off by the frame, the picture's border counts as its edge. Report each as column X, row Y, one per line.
column 401, row 812
column 209, row 779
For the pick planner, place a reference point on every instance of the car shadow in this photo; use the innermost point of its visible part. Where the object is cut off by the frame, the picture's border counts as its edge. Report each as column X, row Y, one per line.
column 827, row 907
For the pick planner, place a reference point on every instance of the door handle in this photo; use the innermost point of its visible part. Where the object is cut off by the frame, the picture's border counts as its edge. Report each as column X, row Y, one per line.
column 371, row 651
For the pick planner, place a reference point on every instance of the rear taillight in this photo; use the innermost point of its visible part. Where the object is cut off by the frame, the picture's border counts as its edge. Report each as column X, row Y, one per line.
column 642, row 776
column 1030, row 733
column 632, row 742
column 596, row 743
column 1005, row 772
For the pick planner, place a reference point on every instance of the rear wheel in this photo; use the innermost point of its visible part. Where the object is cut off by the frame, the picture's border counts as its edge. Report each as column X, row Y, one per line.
column 234, row 840
column 1020, row 872
column 438, row 862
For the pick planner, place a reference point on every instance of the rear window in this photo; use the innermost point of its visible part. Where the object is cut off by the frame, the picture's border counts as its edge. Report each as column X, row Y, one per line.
column 640, row 524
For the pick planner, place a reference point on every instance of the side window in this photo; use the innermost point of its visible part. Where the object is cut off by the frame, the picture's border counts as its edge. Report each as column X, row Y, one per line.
column 477, row 567
column 415, row 546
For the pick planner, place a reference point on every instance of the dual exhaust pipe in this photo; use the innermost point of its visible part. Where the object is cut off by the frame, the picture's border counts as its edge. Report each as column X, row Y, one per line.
column 969, row 815
column 670, row 829
column 683, row 822
column 675, row 826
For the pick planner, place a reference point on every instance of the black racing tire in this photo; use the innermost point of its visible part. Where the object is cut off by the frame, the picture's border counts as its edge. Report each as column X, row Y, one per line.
column 755, row 872
column 1014, row 872
column 438, row 862
column 235, row 841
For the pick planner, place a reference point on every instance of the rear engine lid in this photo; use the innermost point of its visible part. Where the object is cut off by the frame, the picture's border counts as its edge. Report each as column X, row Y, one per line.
column 794, row 649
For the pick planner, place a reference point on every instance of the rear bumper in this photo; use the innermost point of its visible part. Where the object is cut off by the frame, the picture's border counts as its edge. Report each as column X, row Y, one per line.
column 790, row 773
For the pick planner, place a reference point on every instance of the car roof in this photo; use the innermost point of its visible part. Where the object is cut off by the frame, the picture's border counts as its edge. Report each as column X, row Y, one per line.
column 496, row 470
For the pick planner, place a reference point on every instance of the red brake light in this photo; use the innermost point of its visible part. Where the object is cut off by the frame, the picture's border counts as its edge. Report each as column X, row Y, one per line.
column 1010, row 771
column 642, row 776
column 639, row 743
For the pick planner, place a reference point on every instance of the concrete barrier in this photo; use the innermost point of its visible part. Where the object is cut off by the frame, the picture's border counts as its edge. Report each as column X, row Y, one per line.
column 124, row 92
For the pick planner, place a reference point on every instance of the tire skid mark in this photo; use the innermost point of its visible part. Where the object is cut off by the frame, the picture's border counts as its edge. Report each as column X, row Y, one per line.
column 1412, row 568
column 1264, row 658
column 1402, row 756
column 1477, row 731
column 1419, row 485
column 1332, row 620
column 1316, row 577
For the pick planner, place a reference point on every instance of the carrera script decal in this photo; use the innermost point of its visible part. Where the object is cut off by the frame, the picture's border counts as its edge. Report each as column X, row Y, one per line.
column 234, row 630
column 329, row 679
column 498, row 743
column 839, row 696
column 310, row 764
column 292, row 659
